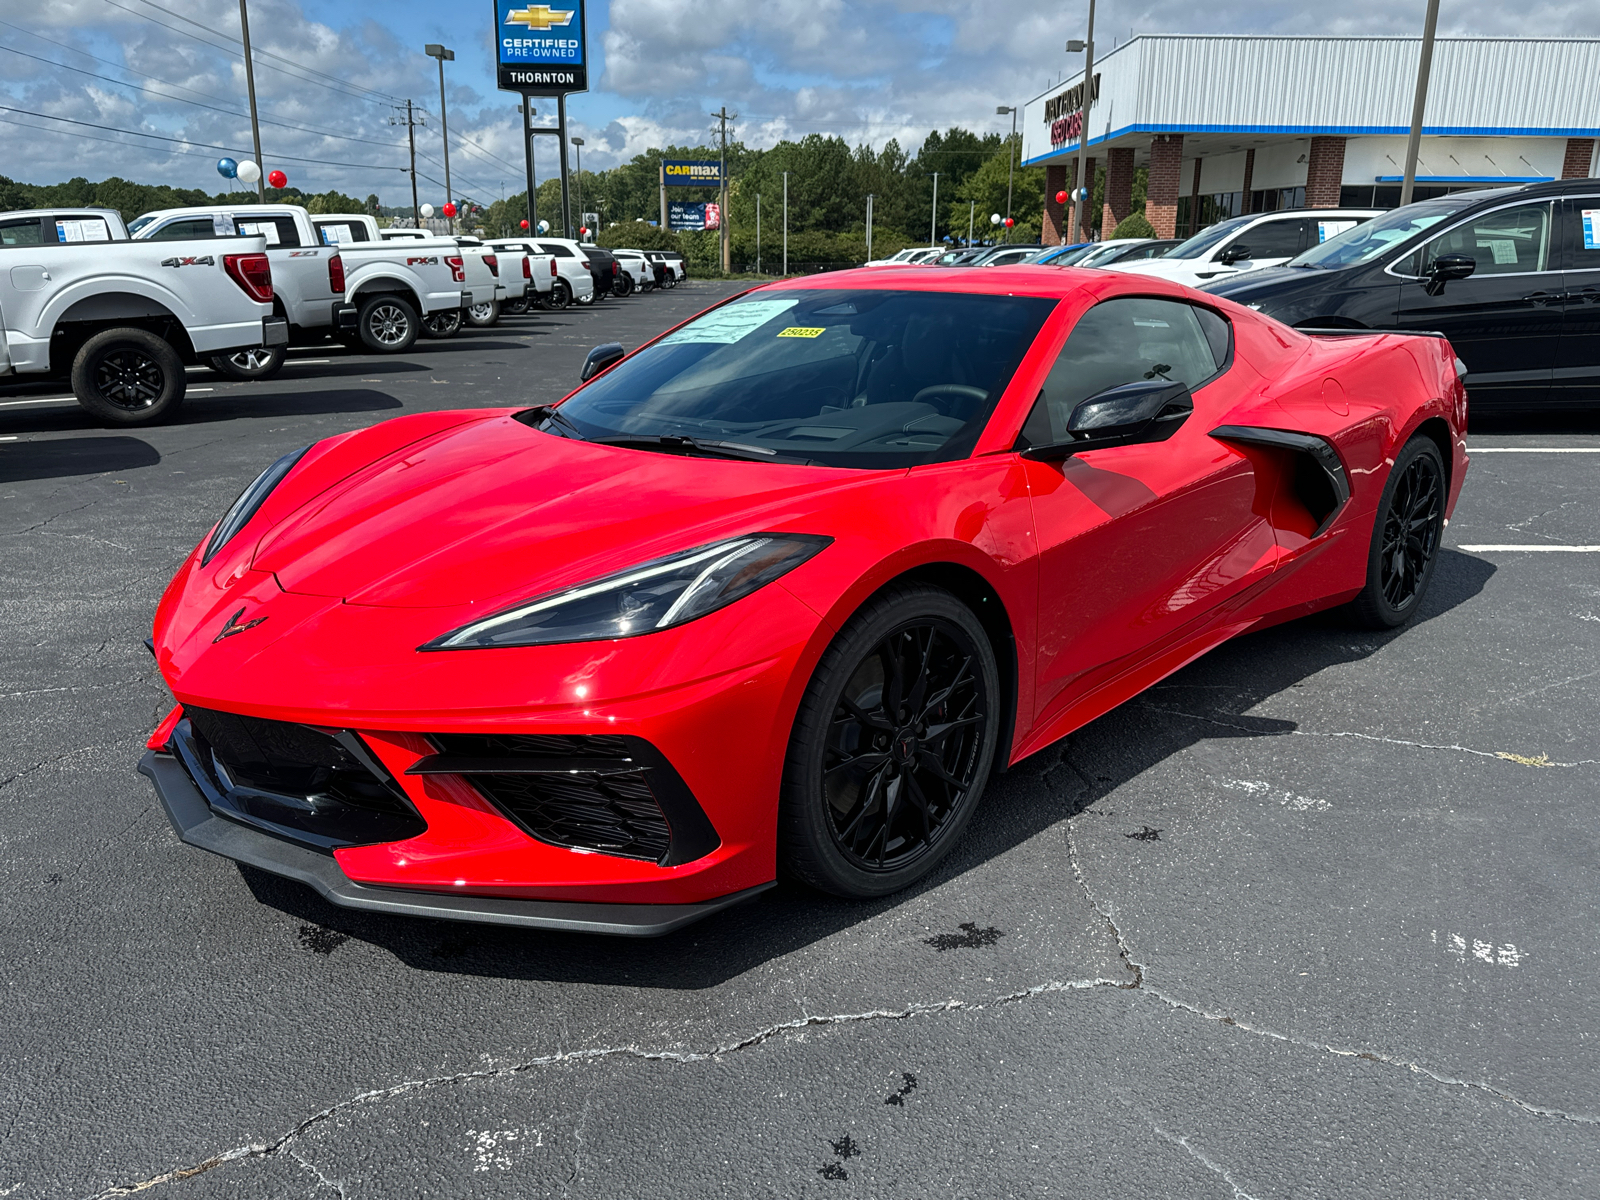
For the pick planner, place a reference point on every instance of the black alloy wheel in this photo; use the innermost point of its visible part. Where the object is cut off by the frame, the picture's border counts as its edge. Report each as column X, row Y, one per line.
column 128, row 376
column 560, row 295
column 1405, row 537
column 622, row 285
column 892, row 745
column 441, row 325
column 515, row 307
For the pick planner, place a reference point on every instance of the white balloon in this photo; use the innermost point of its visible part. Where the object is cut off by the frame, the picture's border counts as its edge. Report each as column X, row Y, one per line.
column 427, row 211
column 249, row 171
column 995, row 220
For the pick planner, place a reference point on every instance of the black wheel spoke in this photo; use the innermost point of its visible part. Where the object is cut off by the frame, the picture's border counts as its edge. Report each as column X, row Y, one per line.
column 1410, row 532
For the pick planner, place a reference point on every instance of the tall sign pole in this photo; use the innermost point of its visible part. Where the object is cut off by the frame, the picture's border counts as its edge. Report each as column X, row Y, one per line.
column 933, row 224
column 527, row 153
column 663, row 168
column 1080, row 194
column 1418, row 103
column 250, row 86
column 566, row 179
column 786, row 222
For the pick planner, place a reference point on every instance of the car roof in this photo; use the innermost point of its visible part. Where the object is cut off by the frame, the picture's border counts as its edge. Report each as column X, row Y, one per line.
column 1021, row 279
column 65, row 208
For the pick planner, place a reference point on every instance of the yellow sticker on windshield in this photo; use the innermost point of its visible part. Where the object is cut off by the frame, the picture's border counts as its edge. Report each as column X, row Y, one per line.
column 805, row 331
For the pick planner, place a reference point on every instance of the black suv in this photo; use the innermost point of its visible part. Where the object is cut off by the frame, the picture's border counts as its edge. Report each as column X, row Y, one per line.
column 602, row 268
column 1511, row 276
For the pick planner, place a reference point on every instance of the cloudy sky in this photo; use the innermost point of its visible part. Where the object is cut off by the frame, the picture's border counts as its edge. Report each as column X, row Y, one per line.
column 329, row 75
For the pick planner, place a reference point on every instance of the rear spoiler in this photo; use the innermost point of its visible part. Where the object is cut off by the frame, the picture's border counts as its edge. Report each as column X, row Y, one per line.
column 1315, row 332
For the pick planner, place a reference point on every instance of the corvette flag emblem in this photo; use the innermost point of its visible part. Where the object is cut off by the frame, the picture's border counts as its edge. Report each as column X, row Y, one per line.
column 233, row 626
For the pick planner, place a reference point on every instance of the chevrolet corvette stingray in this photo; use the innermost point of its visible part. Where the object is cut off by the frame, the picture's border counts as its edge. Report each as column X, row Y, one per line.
column 775, row 594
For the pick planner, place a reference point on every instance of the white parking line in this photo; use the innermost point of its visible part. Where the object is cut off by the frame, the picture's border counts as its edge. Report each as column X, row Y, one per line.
column 306, row 362
column 1535, row 549
column 1533, row 450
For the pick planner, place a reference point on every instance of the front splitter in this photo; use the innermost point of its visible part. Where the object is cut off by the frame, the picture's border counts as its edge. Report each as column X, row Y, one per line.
column 199, row 826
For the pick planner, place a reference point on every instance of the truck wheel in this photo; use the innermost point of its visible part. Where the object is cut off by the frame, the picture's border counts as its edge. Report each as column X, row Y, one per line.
column 128, row 376
column 621, row 286
column 483, row 315
column 560, row 295
column 263, row 362
column 515, row 307
column 442, row 325
column 387, row 324
column 585, row 301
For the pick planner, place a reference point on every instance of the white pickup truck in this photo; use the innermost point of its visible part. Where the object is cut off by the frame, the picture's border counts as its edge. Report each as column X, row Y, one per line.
column 481, row 268
column 121, row 318
column 308, row 277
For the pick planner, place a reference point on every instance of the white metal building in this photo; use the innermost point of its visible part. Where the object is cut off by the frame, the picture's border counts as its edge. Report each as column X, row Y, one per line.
column 1248, row 124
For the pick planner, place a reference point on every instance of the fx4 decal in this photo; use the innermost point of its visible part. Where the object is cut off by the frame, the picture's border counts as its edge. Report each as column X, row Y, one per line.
column 430, row 260
column 201, row 260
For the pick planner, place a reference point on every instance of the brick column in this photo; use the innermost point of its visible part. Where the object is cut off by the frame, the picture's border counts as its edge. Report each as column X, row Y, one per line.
column 1082, row 234
column 1193, row 227
column 1324, row 172
column 1580, row 154
column 1119, row 188
column 1055, row 215
column 1249, row 175
column 1161, row 195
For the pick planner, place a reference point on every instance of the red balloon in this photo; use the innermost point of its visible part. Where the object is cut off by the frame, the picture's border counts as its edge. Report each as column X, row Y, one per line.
column 449, row 208
column 1061, row 197
column 1009, row 222
column 583, row 231
column 277, row 179
column 524, row 222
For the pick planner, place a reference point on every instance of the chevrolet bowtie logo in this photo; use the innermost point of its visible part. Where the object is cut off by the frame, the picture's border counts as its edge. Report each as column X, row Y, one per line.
column 539, row 16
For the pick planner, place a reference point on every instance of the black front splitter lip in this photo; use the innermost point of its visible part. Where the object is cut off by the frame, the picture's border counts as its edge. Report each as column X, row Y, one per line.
column 199, row 826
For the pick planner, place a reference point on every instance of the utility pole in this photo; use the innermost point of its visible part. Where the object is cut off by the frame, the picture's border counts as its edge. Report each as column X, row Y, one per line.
column 411, row 122
column 434, row 50
column 786, row 223
column 250, row 86
column 723, row 117
column 1080, row 197
column 1424, row 65
column 1011, row 158
column 933, row 225
column 869, row 226
column 527, row 151
column 972, row 208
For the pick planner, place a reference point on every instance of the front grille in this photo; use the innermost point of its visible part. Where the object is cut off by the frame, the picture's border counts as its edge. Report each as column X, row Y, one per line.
column 319, row 788
column 610, row 794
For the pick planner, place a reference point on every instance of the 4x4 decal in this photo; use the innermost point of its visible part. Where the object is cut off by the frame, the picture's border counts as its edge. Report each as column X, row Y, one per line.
column 198, row 260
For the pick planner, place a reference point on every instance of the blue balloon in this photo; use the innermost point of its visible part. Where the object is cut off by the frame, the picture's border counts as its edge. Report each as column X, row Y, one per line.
column 227, row 168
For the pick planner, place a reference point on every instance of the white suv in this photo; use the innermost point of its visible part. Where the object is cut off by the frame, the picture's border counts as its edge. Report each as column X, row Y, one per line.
column 1247, row 243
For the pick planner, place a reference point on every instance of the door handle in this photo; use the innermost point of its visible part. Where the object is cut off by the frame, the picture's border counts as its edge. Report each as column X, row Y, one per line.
column 1543, row 298
column 1588, row 295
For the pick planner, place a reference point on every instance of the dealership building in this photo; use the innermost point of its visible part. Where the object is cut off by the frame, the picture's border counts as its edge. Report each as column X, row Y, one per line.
column 1231, row 125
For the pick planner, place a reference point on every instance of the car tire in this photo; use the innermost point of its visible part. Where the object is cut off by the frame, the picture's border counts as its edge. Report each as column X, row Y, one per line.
column 515, row 308
column 127, row 376
column 1406, row 535
column 621, row 286
column 443, row 325
column 560, row 295
column 387, row 324
column 483, row 315
column 262, row 362
column 585, row 301
column 898, row 797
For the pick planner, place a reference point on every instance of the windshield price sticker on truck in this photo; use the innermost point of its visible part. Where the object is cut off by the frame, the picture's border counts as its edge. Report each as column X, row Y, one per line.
column 1591, row 228
column 266, row 229
column 88, row 229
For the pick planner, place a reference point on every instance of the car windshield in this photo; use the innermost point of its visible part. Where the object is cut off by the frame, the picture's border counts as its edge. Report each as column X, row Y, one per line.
column 1371, row 238
column 139, row 223
column 1068, row 258
column 839, row 377
column 1203, row 241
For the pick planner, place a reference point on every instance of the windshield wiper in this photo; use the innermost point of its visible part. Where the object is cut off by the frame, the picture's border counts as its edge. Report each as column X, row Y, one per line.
column 552, row 412
column 682, row 444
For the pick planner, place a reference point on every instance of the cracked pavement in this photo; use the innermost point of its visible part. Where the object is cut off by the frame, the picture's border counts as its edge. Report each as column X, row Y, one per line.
column 1314, row 917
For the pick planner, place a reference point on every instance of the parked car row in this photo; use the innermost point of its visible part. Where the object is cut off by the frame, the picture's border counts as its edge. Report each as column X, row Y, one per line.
column 121, row 310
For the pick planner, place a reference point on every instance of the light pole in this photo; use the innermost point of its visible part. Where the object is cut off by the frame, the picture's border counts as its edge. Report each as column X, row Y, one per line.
column 1424, row 65
column 250, row 85
column 786, row 223
column 578, row 142
column 434, row 50
column 933, row 223
column 1011, row 159
column 869, row 226
column 758, row 233
column 1080, row 198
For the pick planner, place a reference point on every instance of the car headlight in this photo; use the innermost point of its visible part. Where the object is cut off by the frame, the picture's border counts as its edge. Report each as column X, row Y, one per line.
column 655, row 595
column 251, row 499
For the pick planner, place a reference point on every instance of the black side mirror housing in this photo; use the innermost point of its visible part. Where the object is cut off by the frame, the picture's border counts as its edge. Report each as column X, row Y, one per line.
column 1150, row 410
column 1238, row 252
column 599, row 359
column 1447, row 267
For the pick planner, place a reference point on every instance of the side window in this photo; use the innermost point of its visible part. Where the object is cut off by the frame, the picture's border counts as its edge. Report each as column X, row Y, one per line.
column 557, row 249
column 1275, row 239
column 1581, row 222
column 189, row 227
column 1124, row 341
column 21, row 232
column 80, row 229
column 1509, row 241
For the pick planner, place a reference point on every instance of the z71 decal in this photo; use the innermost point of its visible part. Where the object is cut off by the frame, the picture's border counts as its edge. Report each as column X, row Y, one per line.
column 304, row 253
column 201, row 260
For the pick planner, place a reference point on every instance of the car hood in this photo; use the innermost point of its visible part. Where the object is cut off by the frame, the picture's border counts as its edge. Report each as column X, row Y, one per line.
column 1270, row 279
column 491, row 511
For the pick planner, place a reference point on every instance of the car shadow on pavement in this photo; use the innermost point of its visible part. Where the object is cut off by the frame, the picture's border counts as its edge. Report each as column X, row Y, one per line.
column 1040, row 792
column 74, row 456
column 202, row 410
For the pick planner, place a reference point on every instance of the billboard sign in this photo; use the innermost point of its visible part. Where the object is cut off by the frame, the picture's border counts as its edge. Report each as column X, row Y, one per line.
column 684, row 217
column 685, row 173
column 541, row 47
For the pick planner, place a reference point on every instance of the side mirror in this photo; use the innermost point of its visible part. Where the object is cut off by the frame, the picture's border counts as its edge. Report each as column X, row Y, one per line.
column 1447, row 267
column 599, row 359
column 1150, row 410
column 1238, row 252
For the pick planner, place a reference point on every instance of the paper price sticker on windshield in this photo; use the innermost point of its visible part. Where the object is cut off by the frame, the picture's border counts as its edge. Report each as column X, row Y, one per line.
column 805, row 331
column 731, row 323
column 1591, row 228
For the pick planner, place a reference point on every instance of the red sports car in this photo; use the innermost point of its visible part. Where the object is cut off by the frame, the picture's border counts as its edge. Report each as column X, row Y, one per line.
column 774, row 594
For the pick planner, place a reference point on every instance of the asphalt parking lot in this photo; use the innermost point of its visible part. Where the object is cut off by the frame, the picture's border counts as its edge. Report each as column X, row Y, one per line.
column 1316, row 917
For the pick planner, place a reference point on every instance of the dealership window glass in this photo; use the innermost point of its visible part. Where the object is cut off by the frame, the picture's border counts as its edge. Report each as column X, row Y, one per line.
column 279, row 231
column 1280, row 238
column 1207, row 240
column 23, row 232
column 1508, row 241
column 840, row 377
column 1123, row 341
column 1372, row 238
